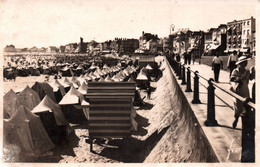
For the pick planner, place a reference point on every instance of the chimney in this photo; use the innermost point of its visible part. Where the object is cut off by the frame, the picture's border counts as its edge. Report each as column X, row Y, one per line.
column 143, row 33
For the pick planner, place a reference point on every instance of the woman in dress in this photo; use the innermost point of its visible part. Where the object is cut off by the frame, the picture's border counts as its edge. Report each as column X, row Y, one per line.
column 239, row 83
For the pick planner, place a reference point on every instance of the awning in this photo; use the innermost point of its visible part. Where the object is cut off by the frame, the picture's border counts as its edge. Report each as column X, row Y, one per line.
column 213, row 47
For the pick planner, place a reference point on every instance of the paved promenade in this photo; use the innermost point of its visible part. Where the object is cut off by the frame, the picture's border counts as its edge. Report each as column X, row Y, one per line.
column 225, row 140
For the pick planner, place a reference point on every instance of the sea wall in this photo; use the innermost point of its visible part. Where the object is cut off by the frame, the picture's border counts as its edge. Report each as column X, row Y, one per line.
column 184, row 140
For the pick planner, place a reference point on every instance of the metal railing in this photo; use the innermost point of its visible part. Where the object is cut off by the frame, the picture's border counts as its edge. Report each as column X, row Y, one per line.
column 180, row 71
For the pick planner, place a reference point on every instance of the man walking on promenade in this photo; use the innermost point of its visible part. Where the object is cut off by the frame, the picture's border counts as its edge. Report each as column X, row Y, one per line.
column 217, row 63
column 231, row 63
column 185, row 55
column 189, row 57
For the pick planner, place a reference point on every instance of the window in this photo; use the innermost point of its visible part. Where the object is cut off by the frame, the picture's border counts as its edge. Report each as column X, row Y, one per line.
column 247, row 22
column 247, row 32
column 244, row 23
column 244, row 32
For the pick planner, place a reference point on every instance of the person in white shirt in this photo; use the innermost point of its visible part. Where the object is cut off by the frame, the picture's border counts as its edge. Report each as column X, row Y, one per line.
column 217, row 63
column 231, row 63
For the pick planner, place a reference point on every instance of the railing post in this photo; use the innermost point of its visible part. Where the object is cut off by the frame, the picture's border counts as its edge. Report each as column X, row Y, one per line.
column 183, row 75
column 180, row 71
column 188, row 88
column 175, row 68
column 196, row 97
column 211, row 121
column 91, row 144
column 248, row 134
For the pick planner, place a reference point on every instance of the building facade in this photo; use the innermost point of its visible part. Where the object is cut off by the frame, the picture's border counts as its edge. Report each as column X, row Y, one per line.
column 181, row 41
column 215, row 40
column 241, row 35
column 10, row 48
column 148, row 42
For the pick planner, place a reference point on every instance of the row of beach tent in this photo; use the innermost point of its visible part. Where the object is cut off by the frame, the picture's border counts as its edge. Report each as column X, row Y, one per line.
column 37, row 118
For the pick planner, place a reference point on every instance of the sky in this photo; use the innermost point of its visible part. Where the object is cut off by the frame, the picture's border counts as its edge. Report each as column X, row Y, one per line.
column 43, row 23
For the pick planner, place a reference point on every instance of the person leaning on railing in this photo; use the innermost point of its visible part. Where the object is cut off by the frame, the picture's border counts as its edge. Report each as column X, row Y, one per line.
column 239, row 84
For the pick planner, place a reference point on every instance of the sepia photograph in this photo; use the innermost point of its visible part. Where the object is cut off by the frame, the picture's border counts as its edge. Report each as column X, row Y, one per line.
column 140, row 82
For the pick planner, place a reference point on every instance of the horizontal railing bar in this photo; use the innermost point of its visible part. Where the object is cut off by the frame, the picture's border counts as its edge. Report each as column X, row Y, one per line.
column 233, row 94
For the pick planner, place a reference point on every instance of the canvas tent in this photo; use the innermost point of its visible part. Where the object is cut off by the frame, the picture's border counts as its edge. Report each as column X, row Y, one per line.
column 11, row 103
column 52, row 118
column 44, row 89
column 69, row 105
column 66, row 83
column 142, row 80
column 29, row 98
column 75, row 82
column 58, row 90
column 83, row 89
column 66, row 71
column 27, row 128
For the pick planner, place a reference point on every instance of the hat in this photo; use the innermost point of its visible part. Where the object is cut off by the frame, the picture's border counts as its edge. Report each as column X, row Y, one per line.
column 241, row 59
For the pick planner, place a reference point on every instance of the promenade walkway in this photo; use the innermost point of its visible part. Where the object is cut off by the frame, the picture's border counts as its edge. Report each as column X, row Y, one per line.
column 225, row 140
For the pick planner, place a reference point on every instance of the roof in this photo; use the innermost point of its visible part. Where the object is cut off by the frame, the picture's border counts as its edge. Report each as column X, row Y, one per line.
column 141, row 77
column 48, row 105
column 72, row 97
column 56, row 85
column 108, row 79
column 148, row 67
column 83, row 88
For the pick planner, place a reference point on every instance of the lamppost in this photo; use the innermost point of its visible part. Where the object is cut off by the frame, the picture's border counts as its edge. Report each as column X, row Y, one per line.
column 172, row 28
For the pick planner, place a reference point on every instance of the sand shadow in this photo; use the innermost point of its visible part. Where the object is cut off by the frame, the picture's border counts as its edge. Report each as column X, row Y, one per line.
column 229, row 127
column 131, row 150
column 83, row 124
column 146, row 106
column 142, row 121
column 152, row 89
column 71, row 141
